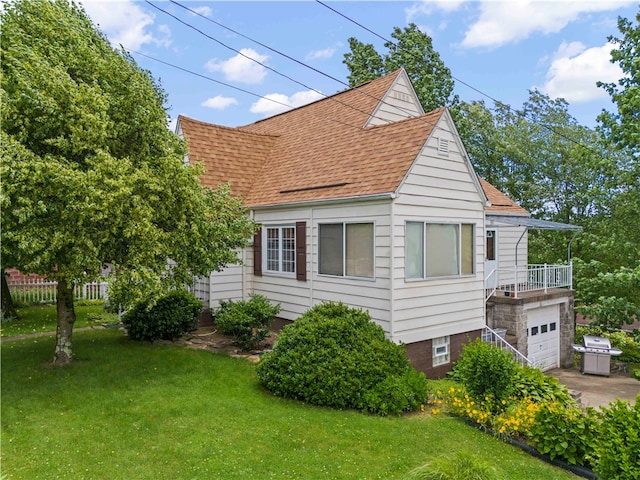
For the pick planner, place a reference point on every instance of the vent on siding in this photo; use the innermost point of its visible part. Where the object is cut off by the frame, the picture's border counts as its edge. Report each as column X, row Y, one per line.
column 402, row 96
column 443, row 146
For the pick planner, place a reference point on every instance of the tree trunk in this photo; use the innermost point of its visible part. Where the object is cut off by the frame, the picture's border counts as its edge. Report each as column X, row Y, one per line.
column 8, row 309
column 66, row 318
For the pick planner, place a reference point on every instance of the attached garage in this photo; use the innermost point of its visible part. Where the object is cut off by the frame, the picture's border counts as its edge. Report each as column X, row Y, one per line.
column 543, row 336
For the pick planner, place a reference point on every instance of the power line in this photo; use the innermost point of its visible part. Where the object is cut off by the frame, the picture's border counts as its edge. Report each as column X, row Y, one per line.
column 286, row 56
column 547, row 127
column 191, row 72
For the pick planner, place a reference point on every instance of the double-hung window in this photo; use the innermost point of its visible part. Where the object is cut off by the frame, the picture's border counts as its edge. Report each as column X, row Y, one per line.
column 346, row 249
column 281, row 249
column 438, row 249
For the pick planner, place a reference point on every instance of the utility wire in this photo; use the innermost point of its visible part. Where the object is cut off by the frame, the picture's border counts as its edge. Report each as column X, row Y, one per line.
column 459, row 80
column 288, row 57
column 191, row 72
column 253, row 59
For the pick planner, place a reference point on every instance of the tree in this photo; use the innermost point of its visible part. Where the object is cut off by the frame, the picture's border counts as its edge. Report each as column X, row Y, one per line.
column 623, row 127
column 412, row 50
column 91, row 174
column 8, row 308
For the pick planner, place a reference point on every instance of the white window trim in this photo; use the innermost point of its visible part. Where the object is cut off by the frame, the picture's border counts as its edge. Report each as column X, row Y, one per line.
column 265, row 250
column 424, row 251
column 344, row 250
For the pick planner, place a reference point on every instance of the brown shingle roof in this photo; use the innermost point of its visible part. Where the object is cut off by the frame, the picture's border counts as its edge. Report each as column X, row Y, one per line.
column 318, row 151
column 228, row 154
column 499, row 201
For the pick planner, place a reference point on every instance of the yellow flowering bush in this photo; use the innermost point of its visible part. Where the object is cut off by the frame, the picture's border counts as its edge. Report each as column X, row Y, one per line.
column 518, row 418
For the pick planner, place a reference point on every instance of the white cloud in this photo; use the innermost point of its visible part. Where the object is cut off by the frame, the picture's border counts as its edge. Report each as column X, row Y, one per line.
column 575, row 70
column 321, row 54
column 204, row 10
column 503, row 22
column 274, row 103
column 427, row 7
column 126, row 23
column 219, row 102
column 241, row 68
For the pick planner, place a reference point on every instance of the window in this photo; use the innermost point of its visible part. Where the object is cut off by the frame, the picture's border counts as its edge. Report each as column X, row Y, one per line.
column 438, row 249
column 440, row 350
column 281, row 249
column 346, row 249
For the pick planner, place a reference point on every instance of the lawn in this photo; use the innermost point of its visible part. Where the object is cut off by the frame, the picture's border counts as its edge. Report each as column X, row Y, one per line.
column 126, row 410
column 42, row 318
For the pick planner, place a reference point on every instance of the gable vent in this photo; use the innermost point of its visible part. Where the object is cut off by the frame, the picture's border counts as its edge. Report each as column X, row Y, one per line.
column 402, row 96
column 443, row 146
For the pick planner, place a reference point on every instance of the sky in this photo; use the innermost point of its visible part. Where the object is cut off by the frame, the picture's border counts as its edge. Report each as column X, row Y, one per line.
column 233, row 57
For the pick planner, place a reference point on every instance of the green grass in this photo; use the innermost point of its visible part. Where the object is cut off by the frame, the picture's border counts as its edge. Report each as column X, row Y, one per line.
column 126, row 410
column 42, row 318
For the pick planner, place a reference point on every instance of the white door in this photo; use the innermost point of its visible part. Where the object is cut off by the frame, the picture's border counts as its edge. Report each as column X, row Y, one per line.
column 491, row 260
column 543, row 337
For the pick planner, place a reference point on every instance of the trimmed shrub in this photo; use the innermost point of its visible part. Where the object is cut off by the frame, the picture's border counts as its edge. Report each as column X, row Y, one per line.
column 246, row 321
column 170, row 317
column 617, row 445
column 567, row 433
column 485, row 371
column 335, row 356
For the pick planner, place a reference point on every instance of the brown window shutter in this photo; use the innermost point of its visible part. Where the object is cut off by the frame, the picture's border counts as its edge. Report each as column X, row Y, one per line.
column 301, row 251
column 257, row 253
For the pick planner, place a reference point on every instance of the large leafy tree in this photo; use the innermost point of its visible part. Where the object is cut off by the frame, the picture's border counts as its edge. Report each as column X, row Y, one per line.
column 90, row 172
column 413, row 50
column 609, row 283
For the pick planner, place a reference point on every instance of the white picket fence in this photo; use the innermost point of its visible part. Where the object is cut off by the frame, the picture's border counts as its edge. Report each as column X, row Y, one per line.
column 43, row 291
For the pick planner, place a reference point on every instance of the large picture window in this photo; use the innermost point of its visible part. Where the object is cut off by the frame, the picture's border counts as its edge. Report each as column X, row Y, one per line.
column 281, row 249
column 438, row 249
column 346, row 249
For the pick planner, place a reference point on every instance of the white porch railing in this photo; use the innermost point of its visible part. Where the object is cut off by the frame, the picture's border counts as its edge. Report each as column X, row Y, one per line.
column 494, row 338
column 38, row 290
column 530, row 278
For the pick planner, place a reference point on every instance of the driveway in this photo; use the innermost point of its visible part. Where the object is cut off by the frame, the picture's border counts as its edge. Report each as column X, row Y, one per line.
column 598, row 390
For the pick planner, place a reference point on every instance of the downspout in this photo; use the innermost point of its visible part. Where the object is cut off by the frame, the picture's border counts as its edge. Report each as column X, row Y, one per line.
column 569, row 263
column 515, row 280
column 245, row 280
column 392, row 221
column 311, row 263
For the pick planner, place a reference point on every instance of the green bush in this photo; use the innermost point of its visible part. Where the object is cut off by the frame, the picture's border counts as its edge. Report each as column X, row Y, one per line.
column 529, row 382
column 485, row 371
column 617, row 444
column 565, row 432
column 246, row 321
column 460, row 466
column 170, row 317
column 336, row 356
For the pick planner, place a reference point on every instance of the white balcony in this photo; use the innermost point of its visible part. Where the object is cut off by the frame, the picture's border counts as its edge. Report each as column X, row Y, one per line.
column 513, row 282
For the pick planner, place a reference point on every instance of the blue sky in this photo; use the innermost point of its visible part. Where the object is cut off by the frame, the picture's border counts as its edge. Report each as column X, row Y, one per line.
column 501, row 48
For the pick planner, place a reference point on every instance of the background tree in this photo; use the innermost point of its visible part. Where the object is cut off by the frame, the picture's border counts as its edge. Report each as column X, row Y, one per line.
column 91, row 174
column 413, row 50
column 609, row 280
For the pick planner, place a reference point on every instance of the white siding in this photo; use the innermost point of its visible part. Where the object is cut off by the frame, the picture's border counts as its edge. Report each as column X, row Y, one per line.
column 225, row 285
column 295, row 297
column 399, row 103
column 441, row 187
column 508, row 236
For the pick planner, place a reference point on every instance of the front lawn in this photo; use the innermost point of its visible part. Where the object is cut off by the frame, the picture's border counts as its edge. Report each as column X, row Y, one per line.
column 42, row 318
column 126, row 410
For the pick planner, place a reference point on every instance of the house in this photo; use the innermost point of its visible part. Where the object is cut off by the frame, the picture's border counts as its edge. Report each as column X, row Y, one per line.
column 363, row 198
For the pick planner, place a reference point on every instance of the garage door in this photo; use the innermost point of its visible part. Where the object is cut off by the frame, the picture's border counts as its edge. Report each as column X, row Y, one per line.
column 543, row 337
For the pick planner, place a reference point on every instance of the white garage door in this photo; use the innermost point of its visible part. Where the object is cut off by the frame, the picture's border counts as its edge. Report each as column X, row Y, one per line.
column 543, row 337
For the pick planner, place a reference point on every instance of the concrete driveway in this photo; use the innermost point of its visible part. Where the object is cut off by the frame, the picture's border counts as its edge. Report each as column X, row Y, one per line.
column 598, row 390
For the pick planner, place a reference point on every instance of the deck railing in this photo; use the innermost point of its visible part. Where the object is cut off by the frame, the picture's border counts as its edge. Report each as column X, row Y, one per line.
column 496, row 338
column 530, row 278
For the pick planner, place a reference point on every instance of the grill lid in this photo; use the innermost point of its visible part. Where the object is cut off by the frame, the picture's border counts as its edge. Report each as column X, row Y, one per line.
column 601, row 343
